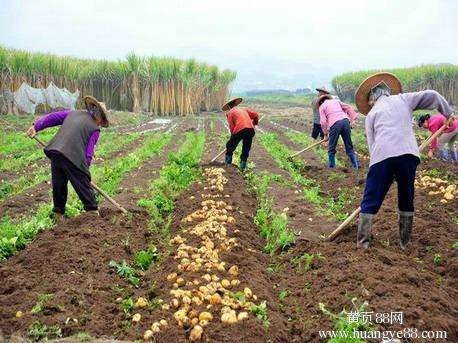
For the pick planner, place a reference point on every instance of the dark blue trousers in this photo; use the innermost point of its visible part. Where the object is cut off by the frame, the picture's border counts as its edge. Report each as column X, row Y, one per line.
column 381, row 175
column 340, row 128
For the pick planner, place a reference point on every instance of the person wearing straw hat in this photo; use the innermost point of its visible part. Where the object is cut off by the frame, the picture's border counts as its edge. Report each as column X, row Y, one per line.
column 448, row 137
column 317, row 130
column 393, row 149
column 336, row 118
column 71, row 151
column 241, row 122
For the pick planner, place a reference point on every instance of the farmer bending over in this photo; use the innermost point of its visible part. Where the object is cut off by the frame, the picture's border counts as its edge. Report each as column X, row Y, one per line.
column 71, row 151
column 394, row 153
column 317, row 130
column 241, row 123
column 448, row 137
column 336, row 118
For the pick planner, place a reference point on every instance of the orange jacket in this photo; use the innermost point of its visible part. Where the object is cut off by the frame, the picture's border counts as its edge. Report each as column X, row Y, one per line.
column 241, row 118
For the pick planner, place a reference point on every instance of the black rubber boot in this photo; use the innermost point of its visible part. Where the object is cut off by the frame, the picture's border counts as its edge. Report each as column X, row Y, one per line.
column 243, row 165
column 405, row 228
column 364, row 235
column 228, row 159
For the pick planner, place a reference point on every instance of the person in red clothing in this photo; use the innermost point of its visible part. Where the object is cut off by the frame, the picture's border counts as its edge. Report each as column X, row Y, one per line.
column 241, row 123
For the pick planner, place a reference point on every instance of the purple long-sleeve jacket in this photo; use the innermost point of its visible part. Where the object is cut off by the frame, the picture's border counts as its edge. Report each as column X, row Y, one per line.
column 57, row 118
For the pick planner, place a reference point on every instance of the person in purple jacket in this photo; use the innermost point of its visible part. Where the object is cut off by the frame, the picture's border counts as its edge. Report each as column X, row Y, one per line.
column 71, row 151
column 393, row 149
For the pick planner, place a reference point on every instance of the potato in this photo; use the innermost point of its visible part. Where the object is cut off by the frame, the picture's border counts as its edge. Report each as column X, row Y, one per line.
column 136, row 317
column 19, row 314
column 156, row 327
column 229, row 317
column 248, row 293
column 171, row 276
column 147, row 335
column 449, row 196
column 196, row 333
column 215, row 299
column 180, row 315
column 163, row 323
column 226, row 283
column 242, row 316
column 234, row 270
column 205, row 316
column 141, row 303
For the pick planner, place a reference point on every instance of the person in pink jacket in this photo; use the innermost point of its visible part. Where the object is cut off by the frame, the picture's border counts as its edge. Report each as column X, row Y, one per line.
column 448, row 137
column 336, row 118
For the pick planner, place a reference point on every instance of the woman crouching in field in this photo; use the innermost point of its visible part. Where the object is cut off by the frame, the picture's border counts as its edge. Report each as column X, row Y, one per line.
column 448, row 137
column 394, row 153
column 336, row 119
column 71, row 151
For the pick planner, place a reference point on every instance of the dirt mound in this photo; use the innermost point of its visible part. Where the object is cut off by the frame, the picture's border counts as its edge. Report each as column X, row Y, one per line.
column 71, row 262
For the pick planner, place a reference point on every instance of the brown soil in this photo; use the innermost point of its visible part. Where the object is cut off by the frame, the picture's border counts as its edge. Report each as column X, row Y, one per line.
column 71, row 261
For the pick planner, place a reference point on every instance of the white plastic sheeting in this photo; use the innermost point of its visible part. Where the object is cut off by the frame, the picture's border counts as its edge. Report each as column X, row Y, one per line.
column 28, row 98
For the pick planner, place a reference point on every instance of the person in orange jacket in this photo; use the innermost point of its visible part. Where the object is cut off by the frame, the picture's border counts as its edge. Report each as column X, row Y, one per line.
column 241, row 123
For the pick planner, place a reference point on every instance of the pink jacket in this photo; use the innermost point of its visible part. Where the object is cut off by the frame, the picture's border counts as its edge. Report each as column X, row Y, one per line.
column 333, row 110
column 435, row 122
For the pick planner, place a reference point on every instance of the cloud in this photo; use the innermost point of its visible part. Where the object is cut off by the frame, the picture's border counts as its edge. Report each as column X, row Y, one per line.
column 285, row 35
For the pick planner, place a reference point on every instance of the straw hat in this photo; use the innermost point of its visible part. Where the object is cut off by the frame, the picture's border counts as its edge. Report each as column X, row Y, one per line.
column 90, row 100
column 231, row 103
column 322, row 89
column 322, row 98
column 362, row 93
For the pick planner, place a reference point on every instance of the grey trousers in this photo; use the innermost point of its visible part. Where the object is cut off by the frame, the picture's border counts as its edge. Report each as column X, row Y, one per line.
column 448, row 138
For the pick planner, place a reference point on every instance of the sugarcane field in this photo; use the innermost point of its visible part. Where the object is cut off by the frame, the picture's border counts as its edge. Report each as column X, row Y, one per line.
column 197, row 171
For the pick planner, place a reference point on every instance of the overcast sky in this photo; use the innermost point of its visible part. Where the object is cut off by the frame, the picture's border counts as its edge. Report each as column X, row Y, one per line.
column 271, row 44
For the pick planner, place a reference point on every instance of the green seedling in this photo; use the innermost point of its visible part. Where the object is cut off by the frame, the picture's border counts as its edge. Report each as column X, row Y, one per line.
column 260, row 311
column 38, row 332
column 283, row 294
column 125, row 271
column 144, row 258
column 344, row 322
column 437, row 259
column 41, row 303
column 127, row 305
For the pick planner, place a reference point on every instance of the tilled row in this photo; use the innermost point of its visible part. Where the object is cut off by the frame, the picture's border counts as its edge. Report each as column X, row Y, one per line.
column 205, row 287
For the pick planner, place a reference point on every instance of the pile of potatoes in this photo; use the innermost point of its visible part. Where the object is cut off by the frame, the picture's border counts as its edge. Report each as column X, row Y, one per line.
column 438, row 186
column 203, row 286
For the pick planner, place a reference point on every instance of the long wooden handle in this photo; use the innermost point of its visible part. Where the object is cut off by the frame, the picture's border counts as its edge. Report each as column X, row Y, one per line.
column 355, row 213
column 93, row 185
column 309, row 147
column 430, row 138
column 216, row 157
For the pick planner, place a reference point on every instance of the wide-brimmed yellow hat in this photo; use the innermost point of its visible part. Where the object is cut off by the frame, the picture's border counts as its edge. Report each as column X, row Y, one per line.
column 232, row 103
column 362, row 93
column 90, row 100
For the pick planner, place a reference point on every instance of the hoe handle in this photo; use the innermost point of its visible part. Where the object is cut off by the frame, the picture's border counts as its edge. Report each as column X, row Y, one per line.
column 355, row 213
column 309, row 147
column 430, row 138
column 97, row 188
column 216, row 157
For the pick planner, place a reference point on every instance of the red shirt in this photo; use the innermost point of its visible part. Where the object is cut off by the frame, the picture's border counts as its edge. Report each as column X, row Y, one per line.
column 241, row 118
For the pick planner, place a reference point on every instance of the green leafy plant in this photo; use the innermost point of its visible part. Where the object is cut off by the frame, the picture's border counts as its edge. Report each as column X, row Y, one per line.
column 127, row 305
column 144, row 258
column 260, row 311
column 437, row 259
column 41, row 303
column 125, row 271
column 343, row 323
column 283, row 294
column 40, row 332
column 303, row 263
